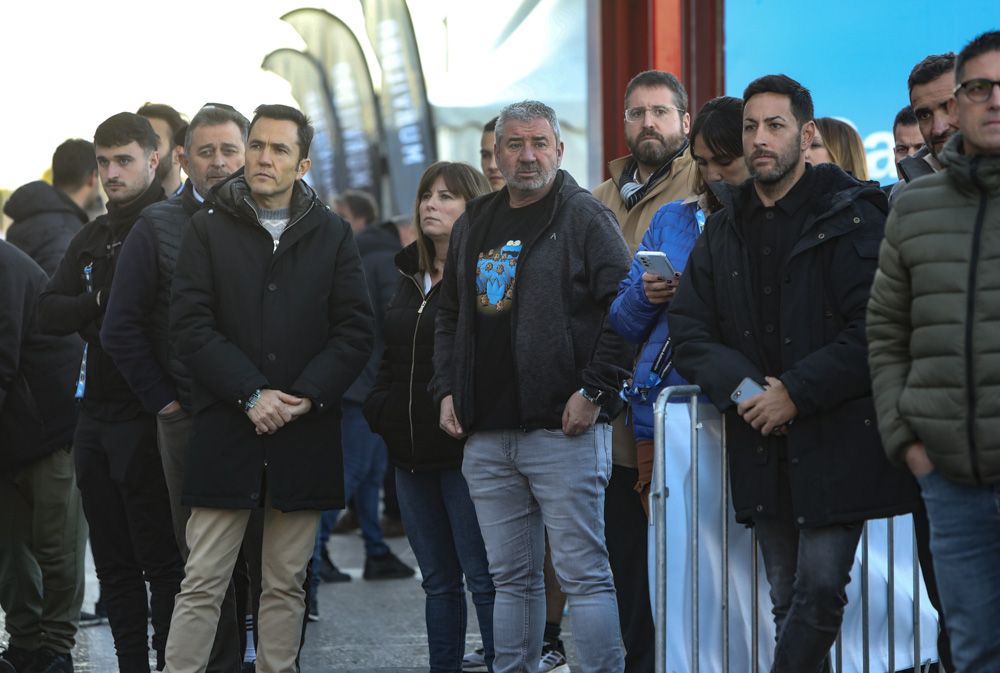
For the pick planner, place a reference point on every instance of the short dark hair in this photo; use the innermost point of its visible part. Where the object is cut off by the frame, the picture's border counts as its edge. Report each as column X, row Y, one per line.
column 930, row 68
column 216, row 114
column 651, row 78
column 287, row 113
column 166, row 114
column 124, row 128
column 982, row 44
column 361, row 204
column 799, row 96
column 491, row 125
column 72, row 163
column 904, row 117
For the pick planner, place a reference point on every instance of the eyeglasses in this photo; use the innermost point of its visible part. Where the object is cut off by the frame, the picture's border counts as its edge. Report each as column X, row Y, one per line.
column 978, row 90
column 660, row 112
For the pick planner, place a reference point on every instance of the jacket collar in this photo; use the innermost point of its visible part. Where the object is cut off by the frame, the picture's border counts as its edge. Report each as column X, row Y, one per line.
column 123, row 217
column 234, row 196
column 832, row 190
column 980, row 172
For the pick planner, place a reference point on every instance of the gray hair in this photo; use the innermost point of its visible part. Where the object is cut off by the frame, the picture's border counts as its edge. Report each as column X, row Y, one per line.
column 216, row 114
column 526, row 111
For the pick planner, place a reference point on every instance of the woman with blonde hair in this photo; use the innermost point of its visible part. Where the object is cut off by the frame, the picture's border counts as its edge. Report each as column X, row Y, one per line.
column 838, row 143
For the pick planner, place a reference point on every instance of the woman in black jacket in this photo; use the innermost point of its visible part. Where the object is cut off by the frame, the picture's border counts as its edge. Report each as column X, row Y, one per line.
column 438, row 515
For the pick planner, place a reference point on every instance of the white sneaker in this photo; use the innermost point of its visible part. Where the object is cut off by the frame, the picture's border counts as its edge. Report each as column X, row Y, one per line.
column 475, row 660
column 552, row 661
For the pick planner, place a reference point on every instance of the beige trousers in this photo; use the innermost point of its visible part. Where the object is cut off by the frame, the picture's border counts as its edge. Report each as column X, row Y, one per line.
column 214, row 537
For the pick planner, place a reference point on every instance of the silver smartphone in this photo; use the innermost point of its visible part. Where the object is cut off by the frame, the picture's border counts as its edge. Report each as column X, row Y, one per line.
column 656, row 262
column 747, row 389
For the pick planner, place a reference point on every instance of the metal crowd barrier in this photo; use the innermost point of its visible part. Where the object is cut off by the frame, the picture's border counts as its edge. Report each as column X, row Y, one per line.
column 659, row 495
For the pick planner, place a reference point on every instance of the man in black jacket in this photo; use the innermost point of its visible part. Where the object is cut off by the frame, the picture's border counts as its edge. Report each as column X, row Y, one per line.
column 775, row 291
column 42, row 529
column 525, row 362
column 117, row 463
column 135, row 330
column 47, row 217
column 271, row 315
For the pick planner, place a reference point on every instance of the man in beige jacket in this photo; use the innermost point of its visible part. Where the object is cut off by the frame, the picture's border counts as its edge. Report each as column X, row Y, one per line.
column 658, row 170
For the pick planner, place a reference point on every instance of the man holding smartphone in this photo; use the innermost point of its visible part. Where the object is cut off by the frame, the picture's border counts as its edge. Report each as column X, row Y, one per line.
column 775, row 291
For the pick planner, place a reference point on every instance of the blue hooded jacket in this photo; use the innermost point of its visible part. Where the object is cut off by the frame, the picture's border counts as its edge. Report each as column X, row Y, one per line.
column 673, row 230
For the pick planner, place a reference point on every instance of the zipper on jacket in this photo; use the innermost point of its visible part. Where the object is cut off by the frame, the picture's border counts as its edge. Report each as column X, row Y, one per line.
column 970, row 312
column 413, row 367
column 291, row 224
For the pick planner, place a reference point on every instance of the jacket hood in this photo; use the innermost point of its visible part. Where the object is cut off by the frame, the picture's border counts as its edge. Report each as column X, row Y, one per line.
column 834, row 189
column 970, row 171
column 234, row 196
column 40, row 197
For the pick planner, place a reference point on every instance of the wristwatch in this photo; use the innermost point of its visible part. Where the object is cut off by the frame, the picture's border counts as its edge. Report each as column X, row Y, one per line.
column 252, row 401
column 592, row 395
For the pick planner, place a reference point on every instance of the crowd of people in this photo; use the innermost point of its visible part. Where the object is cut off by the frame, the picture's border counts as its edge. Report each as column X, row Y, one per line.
column 200, row 378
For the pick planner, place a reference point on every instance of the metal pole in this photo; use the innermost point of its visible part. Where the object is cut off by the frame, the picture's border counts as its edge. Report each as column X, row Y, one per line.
column 725, row 553
column 890, row 599
column 658, row 494
column 916, row 603
column 865, row 604
column 695, row 612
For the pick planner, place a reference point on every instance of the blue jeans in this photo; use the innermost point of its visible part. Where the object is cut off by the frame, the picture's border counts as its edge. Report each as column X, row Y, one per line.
column 808, row 570
column 965, row 545
column 522, row 484
column 441, row 525
column 364, row 467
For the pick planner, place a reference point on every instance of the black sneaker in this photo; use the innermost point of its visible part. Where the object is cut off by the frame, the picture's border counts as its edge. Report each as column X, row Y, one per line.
column 474, row 661
column 47, row 661
column 328, row 572
column 387, row 567
column 91, row 619
column 312, row 606
column 16, row 660
column 553, row 658
column 249, row 667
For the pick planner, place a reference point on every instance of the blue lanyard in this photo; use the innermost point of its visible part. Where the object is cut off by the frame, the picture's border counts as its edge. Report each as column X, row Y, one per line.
column 81, row 381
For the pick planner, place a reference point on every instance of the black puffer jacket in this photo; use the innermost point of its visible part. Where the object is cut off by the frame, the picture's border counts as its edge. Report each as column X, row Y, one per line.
column 45, row 221
column 399, row 407
column 839, row 472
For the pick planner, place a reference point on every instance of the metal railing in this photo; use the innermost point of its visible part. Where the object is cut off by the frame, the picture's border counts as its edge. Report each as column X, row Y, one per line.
column 659, row 495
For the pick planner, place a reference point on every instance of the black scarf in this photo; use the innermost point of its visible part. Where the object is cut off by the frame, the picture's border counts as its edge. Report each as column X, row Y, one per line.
column 122, row 217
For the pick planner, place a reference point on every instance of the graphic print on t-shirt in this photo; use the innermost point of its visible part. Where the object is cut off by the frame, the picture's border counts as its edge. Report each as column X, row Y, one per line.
column 495, row 271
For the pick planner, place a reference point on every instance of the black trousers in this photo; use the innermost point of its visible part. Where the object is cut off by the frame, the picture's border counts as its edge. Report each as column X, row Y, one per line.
column 125, row 499
column 625, row 529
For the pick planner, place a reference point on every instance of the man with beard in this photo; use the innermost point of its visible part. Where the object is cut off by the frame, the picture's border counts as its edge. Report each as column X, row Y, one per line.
column 657, row 171
column 538, row 258
column 166, row 123
column 118, row 466
column 775, row 291
column 931, row 85
column 135, row 330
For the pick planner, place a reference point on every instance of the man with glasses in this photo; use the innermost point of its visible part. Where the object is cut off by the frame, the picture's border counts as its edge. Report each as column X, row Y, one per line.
column 658, row 170
column 931, row 323
column 135, row 330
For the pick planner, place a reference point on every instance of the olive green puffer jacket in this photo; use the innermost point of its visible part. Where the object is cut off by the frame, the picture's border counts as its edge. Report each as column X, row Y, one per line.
column 934, row 319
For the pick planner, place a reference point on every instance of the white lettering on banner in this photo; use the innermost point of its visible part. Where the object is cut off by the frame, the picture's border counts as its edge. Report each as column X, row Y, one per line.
column 396, row 90
column 880, row 156
column 322, row 148
column 356, row 158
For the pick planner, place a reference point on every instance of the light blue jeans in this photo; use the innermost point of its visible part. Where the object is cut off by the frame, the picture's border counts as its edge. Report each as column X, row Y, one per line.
column 521, row 484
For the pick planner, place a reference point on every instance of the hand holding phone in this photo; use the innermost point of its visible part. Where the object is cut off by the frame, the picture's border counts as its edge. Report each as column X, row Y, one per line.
column 657, row 263
column 748, row 388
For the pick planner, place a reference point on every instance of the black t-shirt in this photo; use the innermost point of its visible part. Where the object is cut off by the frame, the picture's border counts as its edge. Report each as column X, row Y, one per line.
column 496, row 396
